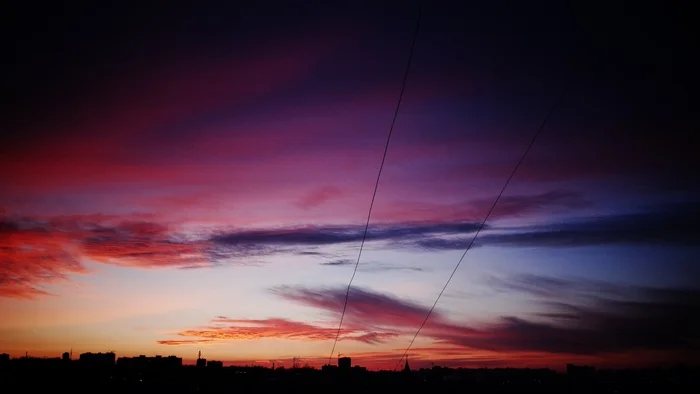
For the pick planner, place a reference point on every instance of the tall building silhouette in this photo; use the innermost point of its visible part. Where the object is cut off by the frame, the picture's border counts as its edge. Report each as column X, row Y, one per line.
column 344, row 362
column 201, row 362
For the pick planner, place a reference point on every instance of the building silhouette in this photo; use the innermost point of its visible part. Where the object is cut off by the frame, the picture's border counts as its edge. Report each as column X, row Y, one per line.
column 583, row 371
column 98, row 359
column 201, row 362
column 344, row 363
column 66, row 356
column 143, row 362
column 215, row 364
column 152, row 374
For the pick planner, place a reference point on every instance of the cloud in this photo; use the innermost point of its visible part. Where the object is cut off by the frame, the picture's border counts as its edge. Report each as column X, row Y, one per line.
column 673, row 225
column 384, row 267
column 370, row 318
column 599, row 318
column 318, row 197
column 184, row 342
column 519, row 205
column 339, row 263
column 554, row 288
column 330, row 235
column 364, row 306
column 56, row 245
column 248, row 329
column 589, row 322
column 588, row 317
column 143, row 244
column 374, row 266
column 36, row 252
column 475, row 209
column 310, row 253
column 39, row 252
column 31, row 257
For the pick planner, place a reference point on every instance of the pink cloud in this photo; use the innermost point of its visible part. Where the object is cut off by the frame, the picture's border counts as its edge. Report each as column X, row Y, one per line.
column 607, row 332
column 32, row 258
column 319, row 196
column 36, row 253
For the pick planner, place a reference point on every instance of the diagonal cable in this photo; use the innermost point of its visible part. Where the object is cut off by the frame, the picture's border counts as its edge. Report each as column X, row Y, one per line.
column 483, row 222
column 379, row 174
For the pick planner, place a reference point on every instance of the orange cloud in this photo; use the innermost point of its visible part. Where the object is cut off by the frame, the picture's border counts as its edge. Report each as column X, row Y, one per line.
column 184, row 342
column 247, row 329
column 634, row 327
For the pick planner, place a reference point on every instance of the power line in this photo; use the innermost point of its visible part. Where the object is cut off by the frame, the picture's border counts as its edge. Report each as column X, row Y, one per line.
column 483, row 222
column 379, row 174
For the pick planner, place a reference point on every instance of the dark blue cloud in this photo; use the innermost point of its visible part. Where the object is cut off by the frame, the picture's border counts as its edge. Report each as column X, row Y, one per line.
column 329, row 235
column 339, row 263
column 372, row 266
column 595, row 317
column 577, row 317
column 673, row 225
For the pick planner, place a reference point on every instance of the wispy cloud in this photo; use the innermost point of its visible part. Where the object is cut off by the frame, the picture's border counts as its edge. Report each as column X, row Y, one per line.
column 671, row 225
column 223, row 328
column 339, row 263
column 607, row 318
column 331, row 235
column 364, row 306
column 509, row 206
column 184, row 342
column 372, row 266
column 31, row 257
column 54, row 246
column 591, row 321
column 319, row 196
column 38, row 252
column 143, row 244
column 590, row 317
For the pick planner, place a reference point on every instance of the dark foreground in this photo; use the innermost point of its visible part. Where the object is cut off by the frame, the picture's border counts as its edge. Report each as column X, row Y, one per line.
column 69, row 377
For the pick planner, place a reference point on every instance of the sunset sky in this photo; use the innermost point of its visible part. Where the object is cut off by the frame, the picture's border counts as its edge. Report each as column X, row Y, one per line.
column 175, row 180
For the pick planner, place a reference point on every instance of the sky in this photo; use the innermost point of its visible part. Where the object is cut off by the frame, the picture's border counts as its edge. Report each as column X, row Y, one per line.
column 184, row 179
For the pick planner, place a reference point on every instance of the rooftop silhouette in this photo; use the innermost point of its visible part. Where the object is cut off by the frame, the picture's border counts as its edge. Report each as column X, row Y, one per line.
column 161, row 374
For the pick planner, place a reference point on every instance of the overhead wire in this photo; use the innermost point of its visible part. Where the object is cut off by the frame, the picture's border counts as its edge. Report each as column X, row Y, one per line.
column 379, row 174
column 488, row 214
